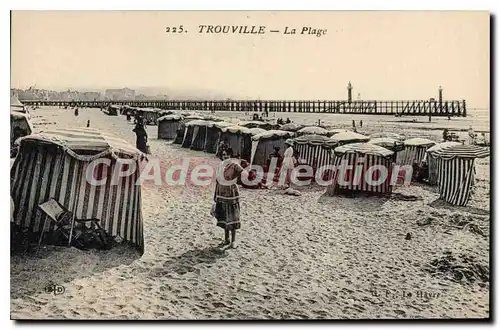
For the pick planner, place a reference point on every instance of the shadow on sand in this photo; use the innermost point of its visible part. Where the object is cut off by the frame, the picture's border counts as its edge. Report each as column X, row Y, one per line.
column 187, row 262
column 439, row 203
column 352, row 203
column 31, row 273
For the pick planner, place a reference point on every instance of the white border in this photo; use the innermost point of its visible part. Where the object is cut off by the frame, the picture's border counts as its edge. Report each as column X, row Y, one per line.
column 197, row 5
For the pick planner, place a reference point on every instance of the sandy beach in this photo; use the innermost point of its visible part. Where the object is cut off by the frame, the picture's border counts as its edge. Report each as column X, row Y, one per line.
column 307, row 256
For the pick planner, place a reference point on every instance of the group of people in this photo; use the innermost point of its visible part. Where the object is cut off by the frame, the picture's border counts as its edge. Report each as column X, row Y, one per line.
column 280, row 121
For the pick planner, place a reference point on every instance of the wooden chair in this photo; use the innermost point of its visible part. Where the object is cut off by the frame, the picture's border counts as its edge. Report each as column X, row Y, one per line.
column 63, row 219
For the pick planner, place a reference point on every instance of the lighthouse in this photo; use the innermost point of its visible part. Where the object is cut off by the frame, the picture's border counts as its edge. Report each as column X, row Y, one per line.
column 349, row 92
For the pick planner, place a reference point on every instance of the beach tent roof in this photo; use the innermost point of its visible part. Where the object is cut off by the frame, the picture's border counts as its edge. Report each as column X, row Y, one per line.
column 14, row 102
column 193, row 117
column 350, row 136
column 291, row 127
column 221, row 124
column 256, row 130
column 388, row 143
column 314, row 139
column 271, row 134
column 170, row 118
column 464, row 151
column 236, row 129
column 419, row 142
column 333, row 131
column 364, row 148
column 441, row 146
column 199, row 123
column 22, row 120
column 313, row 130
column 79, row 141
column 391, row 135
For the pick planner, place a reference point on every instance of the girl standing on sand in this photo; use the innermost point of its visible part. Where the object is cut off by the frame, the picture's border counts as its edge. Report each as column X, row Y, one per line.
column 227, row 199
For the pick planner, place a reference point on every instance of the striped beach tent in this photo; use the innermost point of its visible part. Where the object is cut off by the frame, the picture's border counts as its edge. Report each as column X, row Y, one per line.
column 350, row 137
column 238, row 139
column 415, row 150
column 456, row 172
column 315, row 150
column 316, row 130
column 54, row 164
column 389, row 135
column 257, row 124
column 167, row 126
column 188, row 132
column 433, row 161
column 369, row 163
column 263, row 145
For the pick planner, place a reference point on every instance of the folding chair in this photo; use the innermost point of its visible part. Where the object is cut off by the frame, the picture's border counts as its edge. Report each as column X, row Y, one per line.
column 63, row 219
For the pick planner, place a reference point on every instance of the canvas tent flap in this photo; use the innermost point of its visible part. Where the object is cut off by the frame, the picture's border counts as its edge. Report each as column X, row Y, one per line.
column 78, row 140
column 464, row 151
column 170, row 118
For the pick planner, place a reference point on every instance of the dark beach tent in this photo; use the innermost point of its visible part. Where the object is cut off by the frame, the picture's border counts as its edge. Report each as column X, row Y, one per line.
column 200, row 134
column 316, row 130
column 189, row 131
column 349, row 137
column 370, row 158
column 150, row 115
column 56, row 163
column 389, row 135
column 315, row 150
column 213, row 135
column 112, row 110
column 456, row 172
column 415, row 150
column 291, row 127
column 392, row 144
column 263, row 145
column 433, row 161
column 20, row 125
column 182, row 128
column 168, row 125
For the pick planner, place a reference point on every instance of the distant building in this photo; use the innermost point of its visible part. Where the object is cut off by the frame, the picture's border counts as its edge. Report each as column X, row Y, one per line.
column 119, row 94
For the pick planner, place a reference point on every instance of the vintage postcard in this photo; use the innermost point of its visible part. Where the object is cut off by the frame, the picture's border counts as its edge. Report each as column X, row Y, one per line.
column 171, row 165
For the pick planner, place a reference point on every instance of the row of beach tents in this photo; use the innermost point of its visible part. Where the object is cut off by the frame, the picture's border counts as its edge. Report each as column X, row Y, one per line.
column 450, row 164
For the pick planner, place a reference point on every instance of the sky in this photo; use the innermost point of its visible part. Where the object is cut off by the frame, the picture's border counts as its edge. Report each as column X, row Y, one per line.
column 385, row 55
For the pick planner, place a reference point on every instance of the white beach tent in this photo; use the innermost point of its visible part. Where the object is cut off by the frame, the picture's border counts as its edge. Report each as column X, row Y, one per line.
column 291, row 127
column 263, row 145
column 456, row 172
column 366, row 156
column 433, row 161
column 19, row 121
column 16, row 105
column 315, row 150
column 415, row 150
column 53, row 164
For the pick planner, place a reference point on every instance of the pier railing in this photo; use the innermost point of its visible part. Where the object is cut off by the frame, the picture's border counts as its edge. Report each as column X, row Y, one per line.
column 452, row 108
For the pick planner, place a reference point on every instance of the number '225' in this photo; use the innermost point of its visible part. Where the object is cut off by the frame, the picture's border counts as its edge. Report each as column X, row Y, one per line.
column 174, row 29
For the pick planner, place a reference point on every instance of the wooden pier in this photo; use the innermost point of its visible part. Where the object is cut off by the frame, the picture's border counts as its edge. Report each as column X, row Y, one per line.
column 399, row 108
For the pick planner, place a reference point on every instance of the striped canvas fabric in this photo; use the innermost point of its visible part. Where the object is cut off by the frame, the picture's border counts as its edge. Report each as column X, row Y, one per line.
column 411, row 154
column 433, row 161
column 316, row 150
column 364, row 156
column 55, row 173
column 188, row 136
column 199, row 136
column 456, row 176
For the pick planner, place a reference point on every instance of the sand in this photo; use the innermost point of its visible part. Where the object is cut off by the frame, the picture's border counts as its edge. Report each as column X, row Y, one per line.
column 307, row 256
